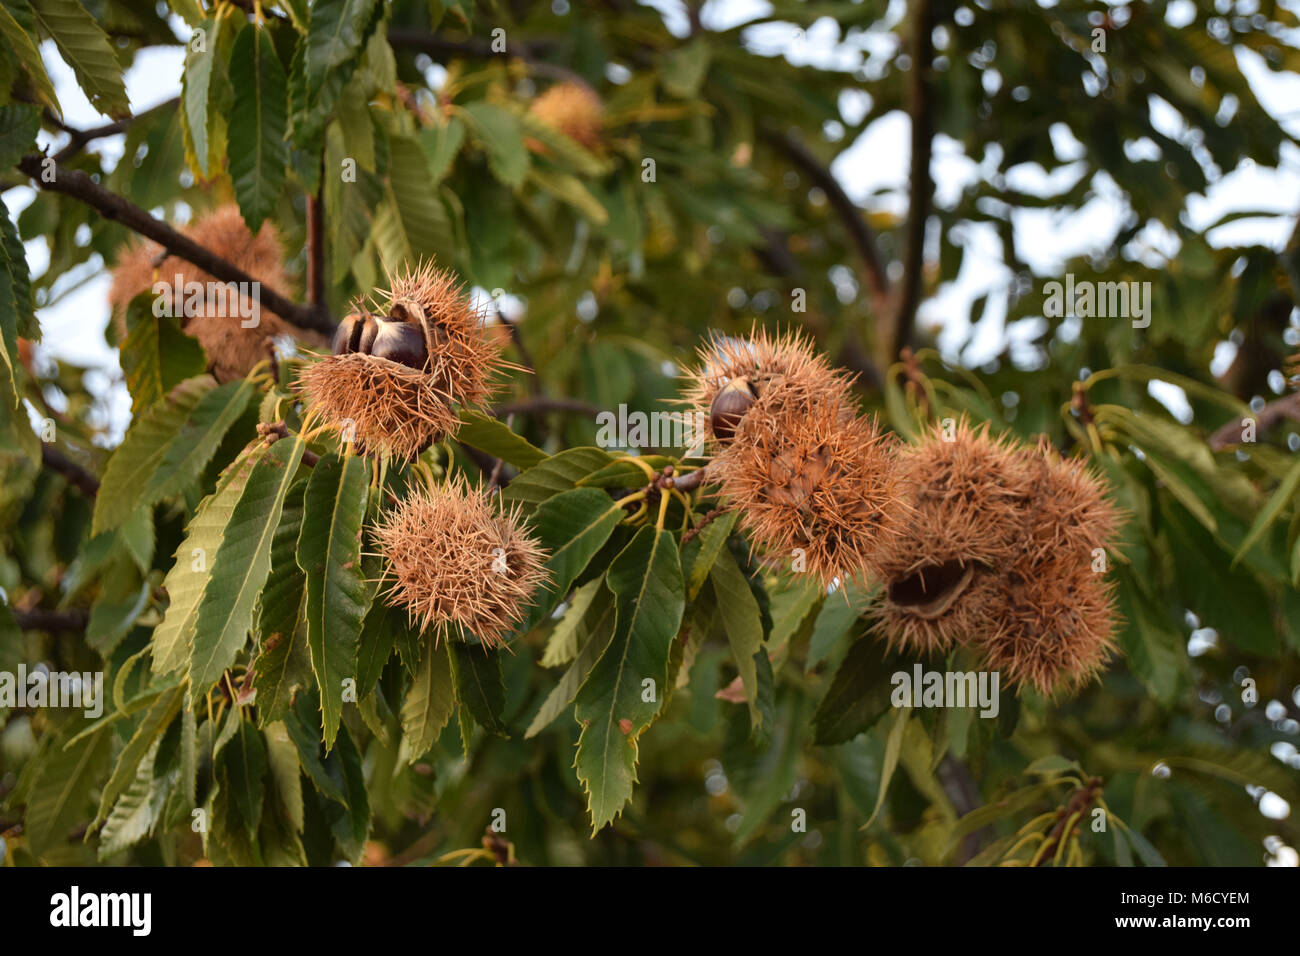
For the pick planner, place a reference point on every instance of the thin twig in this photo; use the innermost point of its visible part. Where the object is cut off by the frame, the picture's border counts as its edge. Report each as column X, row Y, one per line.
column 277, row 430
column 525, row 356
column 704, row 523
column 1266, row 418
column 495, row 480
column 315, row 252
column 79, row 138
column 851, row 216
column 541, row 404
column 922, row 186
column 55, row 460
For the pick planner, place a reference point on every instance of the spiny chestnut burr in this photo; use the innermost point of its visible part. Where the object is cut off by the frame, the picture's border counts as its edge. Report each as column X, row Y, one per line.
column 729, row 407
column 930, row 590
column 421, row 355
column 232, row 348
column 458, row 565
column 735, row 373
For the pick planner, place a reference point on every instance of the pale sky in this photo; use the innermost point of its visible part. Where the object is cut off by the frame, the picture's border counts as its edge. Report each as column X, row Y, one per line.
column 873, row 171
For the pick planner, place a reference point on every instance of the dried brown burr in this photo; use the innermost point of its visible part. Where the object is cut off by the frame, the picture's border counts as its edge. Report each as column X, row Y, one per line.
column 402, row 372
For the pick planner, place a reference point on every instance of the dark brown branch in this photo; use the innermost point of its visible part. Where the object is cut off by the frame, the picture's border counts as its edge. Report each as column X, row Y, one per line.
column 80, row 137
column 441, row 47
column 691, row 480
column 39, row 619
column 55, row 460
column 922, row 186
column 1266, row 418
column 540, row 405
column 851, row 216
column 524, row 356
column 315, row 252
column 79, row 186
column 777, row 257
column 277, row 430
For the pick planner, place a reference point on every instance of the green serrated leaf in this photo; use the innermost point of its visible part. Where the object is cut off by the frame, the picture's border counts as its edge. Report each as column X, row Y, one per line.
column 441, row 142
column 15, row 302
column 614, row 706
column 858, row 695
column 743, row 623
column 498, row 131
column 560, row 472
column 597, row 628
column 19, row 124
column 480, row 691
column 258, row 121
column 711, row 542
column 201, row 83
column 240, row 766
column 156, row 355
column 429, row 703
column 239, row 571
column 571, row 632
column 329, row 551
column 24, row 45
column 570, row 189
column 283, row 663
column 573, row 527
column 156, row 720
column 893, row 747
column 282, row 761
column 137, row 810
column 495, row 437
column 86, row 48
column 189, row 574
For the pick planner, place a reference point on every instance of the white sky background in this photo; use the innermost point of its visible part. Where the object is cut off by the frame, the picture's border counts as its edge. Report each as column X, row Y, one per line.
column 873, row 171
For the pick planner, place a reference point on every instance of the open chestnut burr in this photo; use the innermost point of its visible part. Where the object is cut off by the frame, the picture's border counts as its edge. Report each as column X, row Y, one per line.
column 399, row 337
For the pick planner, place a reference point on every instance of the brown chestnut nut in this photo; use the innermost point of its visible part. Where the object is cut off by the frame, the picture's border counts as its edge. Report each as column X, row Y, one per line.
column 729, row 407
column 367, row 341
column 347, row 337
column 401, row 343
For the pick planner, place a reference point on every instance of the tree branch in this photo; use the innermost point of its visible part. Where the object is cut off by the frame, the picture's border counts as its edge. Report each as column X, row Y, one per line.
column 542, row 404
column 55, row 460
column 79, row 138
column 922, row 186
column 79, row 186
column 39, row 619
column 1267, row 417
column 437, row 46
column 315, row 252
column 860, row 234
column 777, row 258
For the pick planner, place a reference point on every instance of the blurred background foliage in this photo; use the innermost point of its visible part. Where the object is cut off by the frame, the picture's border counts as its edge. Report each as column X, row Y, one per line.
column 708, row 205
